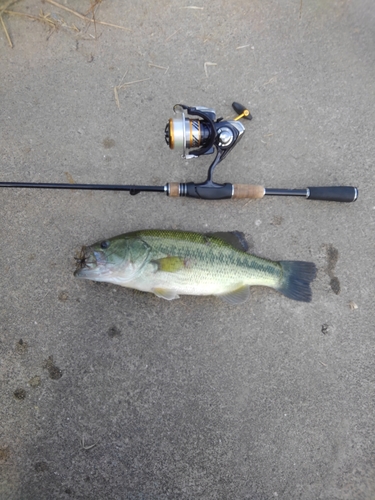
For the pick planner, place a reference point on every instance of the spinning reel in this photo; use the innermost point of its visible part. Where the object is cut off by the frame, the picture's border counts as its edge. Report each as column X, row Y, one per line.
column 208, row 134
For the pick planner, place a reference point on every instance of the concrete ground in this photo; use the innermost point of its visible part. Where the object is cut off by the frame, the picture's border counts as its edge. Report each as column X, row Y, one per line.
column 107, row 393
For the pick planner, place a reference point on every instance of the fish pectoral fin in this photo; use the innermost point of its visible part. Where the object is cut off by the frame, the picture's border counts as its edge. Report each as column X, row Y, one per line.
column 238, row 296
column 165, row 293
column 169, row 264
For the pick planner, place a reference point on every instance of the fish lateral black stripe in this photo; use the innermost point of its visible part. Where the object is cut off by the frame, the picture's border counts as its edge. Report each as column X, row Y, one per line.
column 297, row 277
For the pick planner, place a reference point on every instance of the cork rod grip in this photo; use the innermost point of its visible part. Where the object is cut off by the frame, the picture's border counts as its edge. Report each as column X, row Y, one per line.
column 174, row 189
column 248, row 191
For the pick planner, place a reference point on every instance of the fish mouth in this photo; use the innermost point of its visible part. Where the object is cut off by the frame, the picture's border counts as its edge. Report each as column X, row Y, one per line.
column 88, row 262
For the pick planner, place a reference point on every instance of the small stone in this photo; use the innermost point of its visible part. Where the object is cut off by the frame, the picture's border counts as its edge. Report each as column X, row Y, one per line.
column 20, row 393
column 325, row 329
column 63, row 296
column 35, row 381
column 21, row 346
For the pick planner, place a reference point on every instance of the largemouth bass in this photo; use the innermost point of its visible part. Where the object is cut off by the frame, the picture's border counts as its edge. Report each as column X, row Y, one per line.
column 174, row 263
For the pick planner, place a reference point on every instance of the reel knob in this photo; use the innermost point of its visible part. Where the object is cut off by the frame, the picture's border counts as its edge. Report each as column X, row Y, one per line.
column 241, row 111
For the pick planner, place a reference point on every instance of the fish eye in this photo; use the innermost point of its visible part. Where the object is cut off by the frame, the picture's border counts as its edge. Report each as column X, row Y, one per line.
column 104, row 244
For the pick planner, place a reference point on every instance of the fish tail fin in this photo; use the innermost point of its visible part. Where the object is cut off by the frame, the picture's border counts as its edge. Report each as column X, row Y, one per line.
column 297, row 276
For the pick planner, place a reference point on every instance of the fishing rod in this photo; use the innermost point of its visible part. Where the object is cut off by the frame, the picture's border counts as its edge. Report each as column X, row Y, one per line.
column 207, row 134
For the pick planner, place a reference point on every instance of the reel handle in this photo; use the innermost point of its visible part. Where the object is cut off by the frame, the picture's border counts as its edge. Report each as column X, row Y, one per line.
column 241, row 111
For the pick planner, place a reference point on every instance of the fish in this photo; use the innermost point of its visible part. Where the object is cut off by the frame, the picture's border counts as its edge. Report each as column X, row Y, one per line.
column 170, row 263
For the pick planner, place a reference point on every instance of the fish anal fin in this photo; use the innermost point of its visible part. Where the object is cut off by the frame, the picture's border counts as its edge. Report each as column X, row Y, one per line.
column 234, row 238
column 165, row 293
column 238, row 296
column 170, row 264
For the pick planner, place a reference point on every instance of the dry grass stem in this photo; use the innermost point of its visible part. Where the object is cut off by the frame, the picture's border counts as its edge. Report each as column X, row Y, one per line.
column 93, row 8
column 84, row 18
column 3, row 9
column 6, row 5
column 242, row 46
column 173, row 34
column 123, row 85
column 87, row 447
column 271, row 80
column 131, row 83
column 116, row 97
column 243, row 206
column 192, row 7
column 6, row 32
column 123, row 76
column 44, row 18
column 151, row 65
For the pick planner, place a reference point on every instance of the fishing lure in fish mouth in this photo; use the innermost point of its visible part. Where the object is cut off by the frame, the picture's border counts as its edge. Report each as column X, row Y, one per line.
column 83, row 260
column 174, row 263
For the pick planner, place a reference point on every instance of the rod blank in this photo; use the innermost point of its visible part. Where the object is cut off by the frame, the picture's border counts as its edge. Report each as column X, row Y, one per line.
column 134, row 189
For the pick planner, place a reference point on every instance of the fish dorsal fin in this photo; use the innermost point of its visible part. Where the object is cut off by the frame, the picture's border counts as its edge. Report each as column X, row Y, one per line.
column 234, row 238
column 238, row 296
